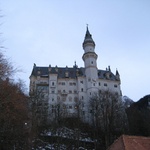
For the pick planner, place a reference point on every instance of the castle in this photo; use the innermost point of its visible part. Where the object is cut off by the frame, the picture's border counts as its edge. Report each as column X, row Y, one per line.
column 69, row 85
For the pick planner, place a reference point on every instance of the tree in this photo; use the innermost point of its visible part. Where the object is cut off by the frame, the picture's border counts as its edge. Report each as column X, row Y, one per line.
column 79, row 118
column 38, row 109
column 139, row 117
column 107, row 116
column 13, row 106
column 6, row 67
column 59, row 112
column 13, row 115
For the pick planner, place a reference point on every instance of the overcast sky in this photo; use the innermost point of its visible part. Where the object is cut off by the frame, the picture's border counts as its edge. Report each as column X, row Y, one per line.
column 52, row 31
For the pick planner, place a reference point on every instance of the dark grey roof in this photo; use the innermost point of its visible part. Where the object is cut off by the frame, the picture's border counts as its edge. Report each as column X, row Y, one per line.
column 72, row 72
column 105, row 74
column 88, row 38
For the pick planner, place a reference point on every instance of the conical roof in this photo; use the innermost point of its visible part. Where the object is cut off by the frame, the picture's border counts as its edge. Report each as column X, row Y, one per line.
column 88, row 38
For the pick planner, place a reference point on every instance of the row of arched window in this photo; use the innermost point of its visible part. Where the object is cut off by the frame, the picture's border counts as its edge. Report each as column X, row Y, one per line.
column 75, row 99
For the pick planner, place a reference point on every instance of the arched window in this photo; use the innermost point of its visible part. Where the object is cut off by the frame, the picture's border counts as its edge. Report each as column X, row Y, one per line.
column 70, row 98
column 75, row 99
column 58, row 98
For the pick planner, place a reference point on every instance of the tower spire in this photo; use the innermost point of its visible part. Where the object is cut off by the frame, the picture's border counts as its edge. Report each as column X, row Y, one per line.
column 117, row 75
column 87, row 31
column 86, row 26
column 88, row 38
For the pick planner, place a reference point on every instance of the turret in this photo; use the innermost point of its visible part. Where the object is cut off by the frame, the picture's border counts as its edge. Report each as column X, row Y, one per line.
column 89, row 56
column 88, row 44
column 117, row 75
column 90, row 63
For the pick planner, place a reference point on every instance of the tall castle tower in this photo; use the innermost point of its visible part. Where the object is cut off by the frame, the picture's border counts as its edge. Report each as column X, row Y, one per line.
column 90, row 63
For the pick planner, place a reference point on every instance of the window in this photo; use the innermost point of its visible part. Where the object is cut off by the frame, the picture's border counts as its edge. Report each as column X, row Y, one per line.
column 75, row 107
column 81, row 82
column 52, row 83
column 75, row 91
column 52, row 99
column 72, row 83
column 93, row 84
column 91, row 62
column 66, row 74
column 116, row 93
column 70, row 91
column 42, row 88
column 70, row 107
column 70, row 98
column 64, row 98
column 64, row 106
column 115, row 86
column 53, row 91
column 105, row 84
column 63, row 83
column 99, row 84
column 81, row 89
column 82, row 97
column 75, row 99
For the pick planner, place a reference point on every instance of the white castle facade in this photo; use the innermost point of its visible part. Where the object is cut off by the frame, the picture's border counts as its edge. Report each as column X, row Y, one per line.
column 69, row 85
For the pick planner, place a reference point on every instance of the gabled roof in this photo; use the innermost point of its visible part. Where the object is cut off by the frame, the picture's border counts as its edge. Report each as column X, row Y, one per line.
column 126, row 142
column 72, row 72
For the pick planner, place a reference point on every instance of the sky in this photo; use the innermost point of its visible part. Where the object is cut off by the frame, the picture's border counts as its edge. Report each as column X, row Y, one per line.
column 51, row 32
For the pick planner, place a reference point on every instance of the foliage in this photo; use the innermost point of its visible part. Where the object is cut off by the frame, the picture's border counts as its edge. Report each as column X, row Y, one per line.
column 13, row 107
column 13, row 114
column 139, row 117
column 6, row 67
column 108, row 116
column 39, row 111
